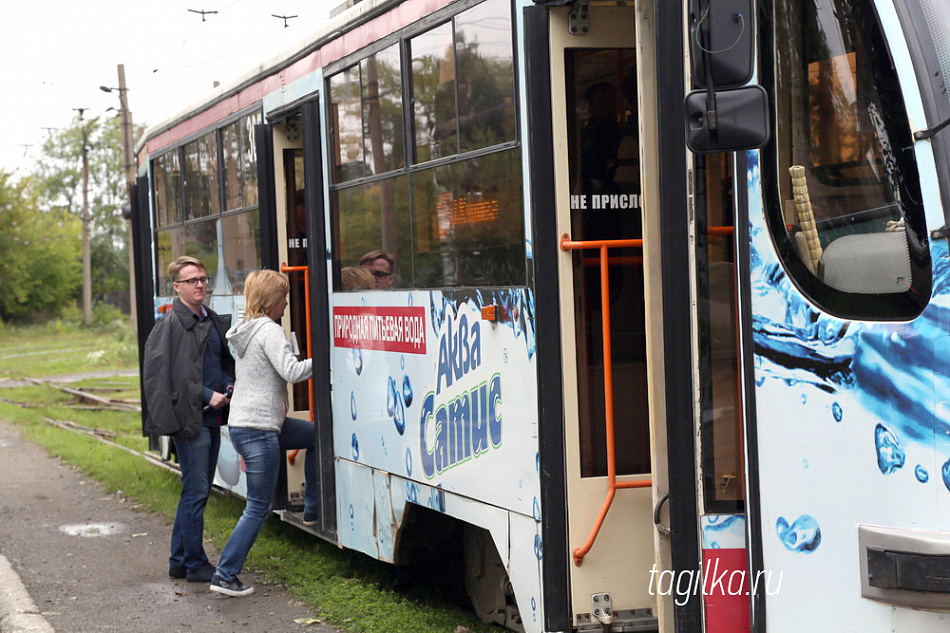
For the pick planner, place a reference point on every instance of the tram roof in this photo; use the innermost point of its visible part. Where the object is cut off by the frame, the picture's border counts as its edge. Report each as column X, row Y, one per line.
column 250, row 88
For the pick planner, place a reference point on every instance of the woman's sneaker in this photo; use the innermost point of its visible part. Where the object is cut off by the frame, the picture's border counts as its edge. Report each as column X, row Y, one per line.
column 233, row 588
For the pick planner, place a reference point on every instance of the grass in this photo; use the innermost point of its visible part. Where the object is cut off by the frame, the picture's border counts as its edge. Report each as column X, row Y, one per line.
column 344, row 588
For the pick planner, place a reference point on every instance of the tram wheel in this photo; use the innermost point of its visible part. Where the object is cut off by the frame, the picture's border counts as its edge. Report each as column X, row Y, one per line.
column 486, row 581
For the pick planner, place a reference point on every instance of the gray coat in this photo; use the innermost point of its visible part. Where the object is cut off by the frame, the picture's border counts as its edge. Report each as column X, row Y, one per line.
column 172, row 370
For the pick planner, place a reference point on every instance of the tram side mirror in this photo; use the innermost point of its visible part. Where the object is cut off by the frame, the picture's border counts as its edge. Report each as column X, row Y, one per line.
column 721, row 45
column 738, row 120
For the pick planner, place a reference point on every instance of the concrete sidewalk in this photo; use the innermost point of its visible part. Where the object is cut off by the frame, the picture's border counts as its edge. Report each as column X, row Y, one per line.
column 74, row 558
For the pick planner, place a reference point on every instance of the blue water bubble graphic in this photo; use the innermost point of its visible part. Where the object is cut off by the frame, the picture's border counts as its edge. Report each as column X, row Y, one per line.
column 803, row 536
column 351, row 511
column 358, row 360
column 353, row 404
column 399, row 416
column 391, row 397
column 537, row 510
column 715, row 545
column 945, row 471
column 804, row 398
column 406, row 390
column 921, row 473
column 409, row 462
column 402, row 362
column 805, row 464
column 760, row 381
column 837, row 412
column 890, row 455
column 355, row 447
column 538, row 548
column 537, row 462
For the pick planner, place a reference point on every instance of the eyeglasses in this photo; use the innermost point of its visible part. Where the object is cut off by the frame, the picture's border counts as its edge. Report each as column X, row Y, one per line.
column 380, row 274
column 194, row 281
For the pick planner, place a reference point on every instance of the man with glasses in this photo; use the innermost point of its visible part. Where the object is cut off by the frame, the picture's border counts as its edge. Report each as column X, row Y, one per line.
column 380, row 264
column 187, row 372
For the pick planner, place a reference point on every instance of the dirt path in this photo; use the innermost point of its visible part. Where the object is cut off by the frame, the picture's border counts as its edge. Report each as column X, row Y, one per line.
column 91, row 563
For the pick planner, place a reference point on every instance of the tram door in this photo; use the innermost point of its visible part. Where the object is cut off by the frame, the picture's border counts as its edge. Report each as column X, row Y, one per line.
column 605, row 335
column 292, row 252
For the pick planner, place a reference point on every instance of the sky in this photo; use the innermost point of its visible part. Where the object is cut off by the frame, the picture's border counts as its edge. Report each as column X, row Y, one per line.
column 57, row 53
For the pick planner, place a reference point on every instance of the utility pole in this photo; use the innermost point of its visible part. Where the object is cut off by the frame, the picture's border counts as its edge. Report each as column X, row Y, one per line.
column 86, row 221
column 126, row 117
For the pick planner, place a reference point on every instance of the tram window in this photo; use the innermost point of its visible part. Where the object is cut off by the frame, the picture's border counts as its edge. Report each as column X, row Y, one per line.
column 371, row 217
column 460, row 222
column 347, row 113
column 249, row 159
column 198, row 236
column 169, row 246
column 605, row 192
column 468, row 224
column 433, row 93
column 851, row 228
column 382, row 111
column 201, row 242
column 486, row 90
column 201, row 178
column 242, row 246
column 463, row 83
column 721, row 426
column 166, row 174
column 366, row 107
column 240, row 163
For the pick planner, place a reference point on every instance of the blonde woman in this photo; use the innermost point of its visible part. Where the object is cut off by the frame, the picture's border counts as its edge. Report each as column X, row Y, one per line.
column 259, row 429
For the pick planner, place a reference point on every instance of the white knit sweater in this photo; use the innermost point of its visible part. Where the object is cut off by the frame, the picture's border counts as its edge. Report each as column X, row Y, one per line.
column 264, row 364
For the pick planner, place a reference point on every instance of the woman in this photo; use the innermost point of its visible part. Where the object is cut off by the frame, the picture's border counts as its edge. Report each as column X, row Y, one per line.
column 259, row 430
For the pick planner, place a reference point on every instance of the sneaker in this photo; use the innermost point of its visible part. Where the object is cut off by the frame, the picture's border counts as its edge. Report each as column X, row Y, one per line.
column 177, row 571
column 310, row 518
column 233, row 588
column 202, row 574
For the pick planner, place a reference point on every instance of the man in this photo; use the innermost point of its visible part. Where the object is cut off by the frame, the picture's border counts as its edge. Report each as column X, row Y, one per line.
column 187, row 370
column 380, row 264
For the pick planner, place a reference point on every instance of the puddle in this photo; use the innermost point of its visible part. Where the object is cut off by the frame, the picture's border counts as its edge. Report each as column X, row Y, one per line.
column 91, row 530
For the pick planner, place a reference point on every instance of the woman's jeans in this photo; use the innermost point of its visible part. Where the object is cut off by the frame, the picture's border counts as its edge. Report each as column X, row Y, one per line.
column 262, row 452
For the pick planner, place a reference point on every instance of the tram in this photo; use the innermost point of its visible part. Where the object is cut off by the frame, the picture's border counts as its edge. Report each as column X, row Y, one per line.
column 655, row 333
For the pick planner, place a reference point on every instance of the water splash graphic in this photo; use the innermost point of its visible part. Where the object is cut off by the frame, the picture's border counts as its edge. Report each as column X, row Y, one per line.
column 921, row 473
column 802, row 536
column 406, row 391
column 837, row 412
column 890, row 455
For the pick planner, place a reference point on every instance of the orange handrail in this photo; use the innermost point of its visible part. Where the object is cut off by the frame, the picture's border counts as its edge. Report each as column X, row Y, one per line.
column 721, row 230
column 284, row 268
column 612, row 484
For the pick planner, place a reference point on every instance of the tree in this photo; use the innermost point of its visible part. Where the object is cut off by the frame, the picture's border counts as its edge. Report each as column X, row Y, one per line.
column 58, row 184
column 38, row 255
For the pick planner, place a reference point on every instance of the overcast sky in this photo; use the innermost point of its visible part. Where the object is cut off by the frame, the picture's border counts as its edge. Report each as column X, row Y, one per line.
column 54, row 55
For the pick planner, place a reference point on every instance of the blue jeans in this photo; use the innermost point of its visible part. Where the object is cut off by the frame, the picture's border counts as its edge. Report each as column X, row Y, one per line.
column 262, row 452
column 197, row 457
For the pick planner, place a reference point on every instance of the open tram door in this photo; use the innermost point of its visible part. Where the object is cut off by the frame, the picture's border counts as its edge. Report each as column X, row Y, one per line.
column 636, row 386
column 293, row 150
